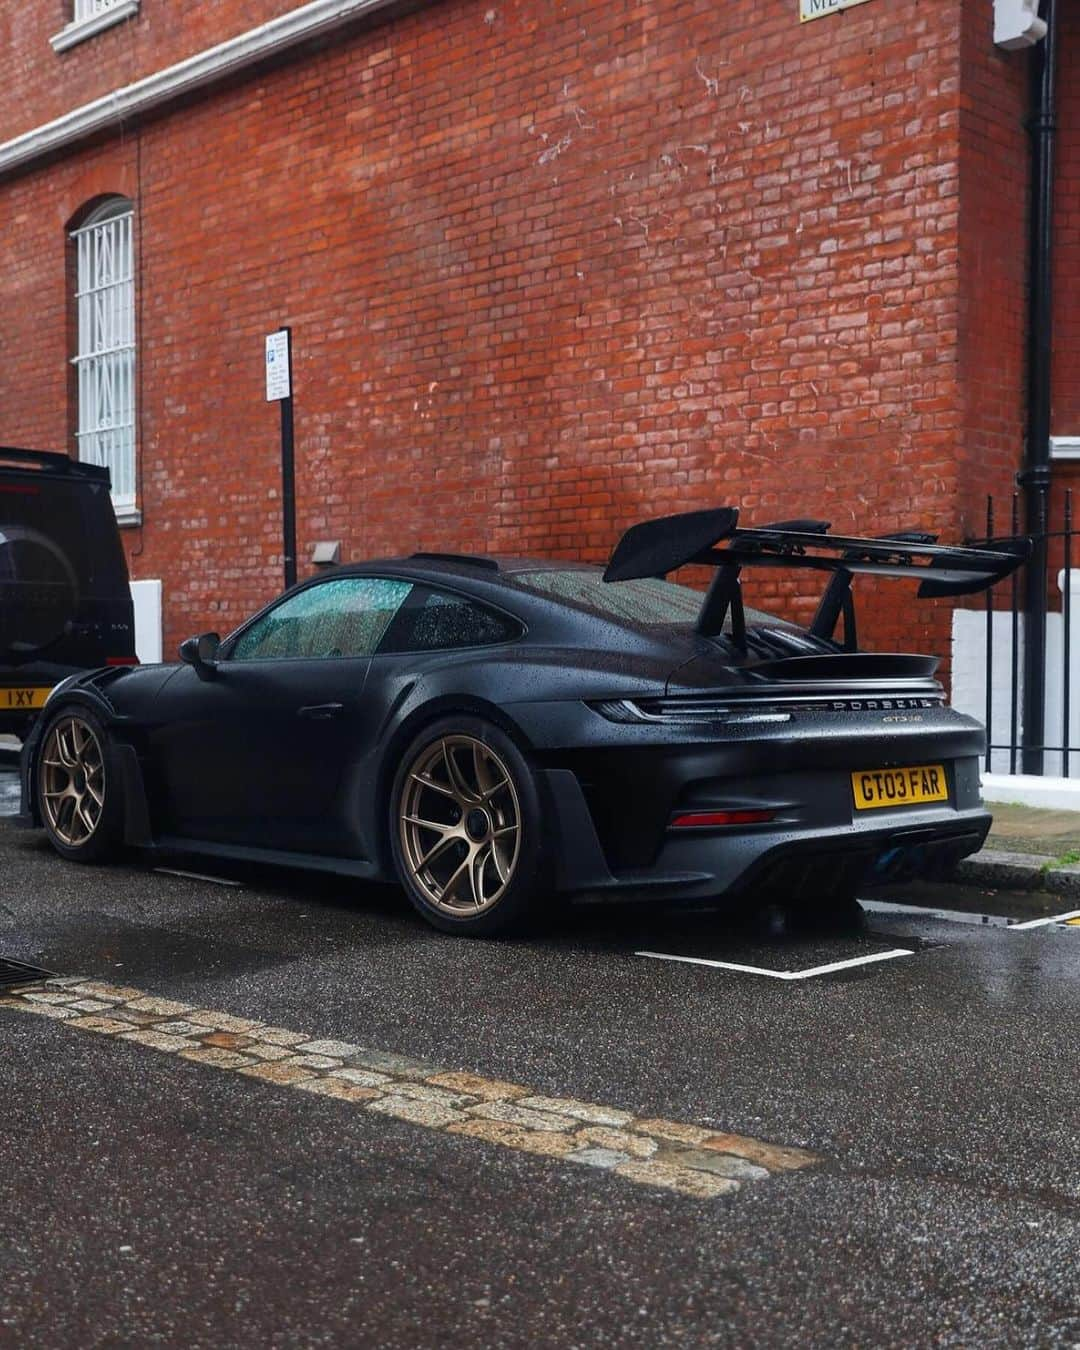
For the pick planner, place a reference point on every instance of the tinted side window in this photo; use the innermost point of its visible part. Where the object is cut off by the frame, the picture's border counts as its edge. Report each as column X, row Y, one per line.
column 440, row 621
column 344, row 617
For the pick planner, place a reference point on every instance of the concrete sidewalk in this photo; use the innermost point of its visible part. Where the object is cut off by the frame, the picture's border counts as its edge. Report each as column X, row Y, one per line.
column 1027, row 850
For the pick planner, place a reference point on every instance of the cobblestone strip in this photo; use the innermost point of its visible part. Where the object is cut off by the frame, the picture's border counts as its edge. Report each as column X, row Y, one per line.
column 689, row 1159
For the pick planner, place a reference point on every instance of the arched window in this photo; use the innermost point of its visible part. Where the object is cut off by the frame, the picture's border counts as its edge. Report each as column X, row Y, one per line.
column 105, row 354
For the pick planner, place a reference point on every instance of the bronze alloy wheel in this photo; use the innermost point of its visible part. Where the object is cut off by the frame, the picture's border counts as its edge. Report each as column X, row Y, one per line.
column 72, row 781
column 459, row 824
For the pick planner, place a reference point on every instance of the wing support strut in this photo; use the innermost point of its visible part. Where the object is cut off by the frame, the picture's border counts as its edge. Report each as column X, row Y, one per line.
column 837, row 600
column 724, row 596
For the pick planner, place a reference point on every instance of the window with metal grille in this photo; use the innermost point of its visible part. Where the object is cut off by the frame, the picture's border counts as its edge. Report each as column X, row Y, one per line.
column 90, row 17
column 105, row 358
column 90, row 9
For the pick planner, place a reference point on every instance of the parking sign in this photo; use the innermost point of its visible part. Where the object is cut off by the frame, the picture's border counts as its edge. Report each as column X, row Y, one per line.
column 278, row 381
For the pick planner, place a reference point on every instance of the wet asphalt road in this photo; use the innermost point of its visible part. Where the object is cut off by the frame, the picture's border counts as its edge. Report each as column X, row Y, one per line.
column 152, row 1201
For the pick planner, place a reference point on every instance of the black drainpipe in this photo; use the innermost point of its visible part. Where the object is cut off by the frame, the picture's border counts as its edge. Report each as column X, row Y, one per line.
column 1034, row 477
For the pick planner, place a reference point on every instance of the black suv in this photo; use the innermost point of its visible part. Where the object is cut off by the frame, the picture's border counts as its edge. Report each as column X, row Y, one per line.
column 65, row 601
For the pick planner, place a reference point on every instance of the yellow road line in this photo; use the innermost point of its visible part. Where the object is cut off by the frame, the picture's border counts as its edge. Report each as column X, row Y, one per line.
column 689, row 1159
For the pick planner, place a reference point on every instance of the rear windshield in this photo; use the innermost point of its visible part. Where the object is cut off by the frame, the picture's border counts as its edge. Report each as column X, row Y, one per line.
column 648, row 602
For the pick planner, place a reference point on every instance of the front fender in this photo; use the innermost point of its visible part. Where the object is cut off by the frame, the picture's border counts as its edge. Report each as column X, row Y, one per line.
column 76, row 695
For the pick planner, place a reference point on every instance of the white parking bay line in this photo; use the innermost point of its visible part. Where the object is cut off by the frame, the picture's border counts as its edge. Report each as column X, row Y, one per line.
column 1042, row 923
column 197, row 876
column 782, row 974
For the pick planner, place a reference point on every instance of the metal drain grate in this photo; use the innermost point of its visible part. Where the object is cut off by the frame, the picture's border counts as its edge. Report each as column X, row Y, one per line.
column 17, row 972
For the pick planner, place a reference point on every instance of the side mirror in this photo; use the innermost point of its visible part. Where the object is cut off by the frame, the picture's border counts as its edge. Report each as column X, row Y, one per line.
column 201, row 652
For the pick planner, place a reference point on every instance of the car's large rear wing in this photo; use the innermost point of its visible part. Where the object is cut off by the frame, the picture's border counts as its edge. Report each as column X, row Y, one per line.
column 654, row 548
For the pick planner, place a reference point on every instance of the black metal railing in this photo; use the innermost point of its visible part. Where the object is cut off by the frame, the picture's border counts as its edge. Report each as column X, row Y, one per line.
column 1009, row 742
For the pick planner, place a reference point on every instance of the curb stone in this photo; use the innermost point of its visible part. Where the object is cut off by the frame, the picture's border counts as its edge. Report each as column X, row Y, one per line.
column 998, row 870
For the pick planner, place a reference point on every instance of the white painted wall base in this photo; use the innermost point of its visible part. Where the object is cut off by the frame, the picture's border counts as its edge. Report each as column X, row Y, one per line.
column 1025, row 789
column 969, row 676
column 146, row 596
column 969, row 680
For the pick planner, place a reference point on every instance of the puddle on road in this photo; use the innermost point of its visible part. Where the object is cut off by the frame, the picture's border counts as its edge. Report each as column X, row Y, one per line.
column 132, row 952
column 938, row 915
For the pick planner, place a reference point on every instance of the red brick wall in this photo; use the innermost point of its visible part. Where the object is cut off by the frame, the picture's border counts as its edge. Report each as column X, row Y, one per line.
column 549, row 269
column 38, row 84
column 995, row 158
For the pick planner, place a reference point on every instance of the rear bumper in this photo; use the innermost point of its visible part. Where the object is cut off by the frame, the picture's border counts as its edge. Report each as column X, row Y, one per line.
column 804, row 869
column 827, row 849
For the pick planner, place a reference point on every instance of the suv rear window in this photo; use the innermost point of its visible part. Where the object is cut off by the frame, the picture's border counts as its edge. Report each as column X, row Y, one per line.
column 62, row 565
column 43, row 562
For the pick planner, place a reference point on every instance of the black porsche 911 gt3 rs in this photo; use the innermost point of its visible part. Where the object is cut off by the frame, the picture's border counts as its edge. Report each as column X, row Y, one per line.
column 490, row 731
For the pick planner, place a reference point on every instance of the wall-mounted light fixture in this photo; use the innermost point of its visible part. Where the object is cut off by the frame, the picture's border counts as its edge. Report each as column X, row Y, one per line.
column 326, row 553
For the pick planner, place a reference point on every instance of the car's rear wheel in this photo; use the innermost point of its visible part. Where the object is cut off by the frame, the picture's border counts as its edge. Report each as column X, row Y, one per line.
column 466, row 828
column 77, row 789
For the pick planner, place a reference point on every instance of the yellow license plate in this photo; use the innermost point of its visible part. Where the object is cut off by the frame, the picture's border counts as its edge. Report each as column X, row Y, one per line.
column 899, row 787
column 23, row 700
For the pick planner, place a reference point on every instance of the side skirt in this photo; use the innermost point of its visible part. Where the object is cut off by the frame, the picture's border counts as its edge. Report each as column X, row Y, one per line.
column 309, row 862
column 138, row 834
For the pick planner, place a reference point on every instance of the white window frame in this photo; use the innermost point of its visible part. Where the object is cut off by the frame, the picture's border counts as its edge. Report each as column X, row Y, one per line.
column 90, row 17
column 105, row 356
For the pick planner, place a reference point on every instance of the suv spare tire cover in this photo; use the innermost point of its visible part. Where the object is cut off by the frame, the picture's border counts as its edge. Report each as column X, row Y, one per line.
column 39, row 591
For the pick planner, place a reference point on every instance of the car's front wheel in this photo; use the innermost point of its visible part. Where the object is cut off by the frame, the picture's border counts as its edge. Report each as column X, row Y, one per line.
column 466, row 828
column 77, row 789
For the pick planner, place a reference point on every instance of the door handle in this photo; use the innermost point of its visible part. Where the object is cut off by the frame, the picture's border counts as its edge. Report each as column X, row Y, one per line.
column 321, row 712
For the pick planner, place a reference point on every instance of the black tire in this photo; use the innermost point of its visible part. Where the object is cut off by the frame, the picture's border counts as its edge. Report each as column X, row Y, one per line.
column 510, row 871
column 89, row 832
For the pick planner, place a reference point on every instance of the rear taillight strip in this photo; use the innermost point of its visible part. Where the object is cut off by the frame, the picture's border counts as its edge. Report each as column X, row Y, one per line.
column 748, row 708
column 701, row 820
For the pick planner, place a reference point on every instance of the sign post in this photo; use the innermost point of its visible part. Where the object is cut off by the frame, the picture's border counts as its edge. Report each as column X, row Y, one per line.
column 279, row 390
